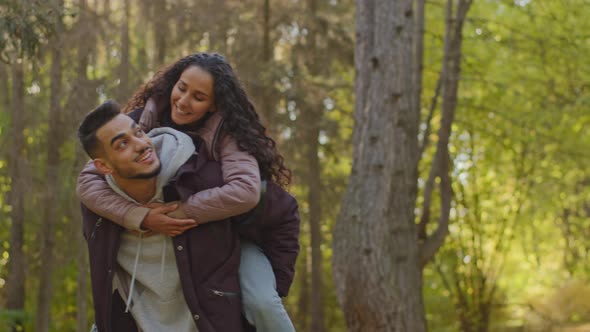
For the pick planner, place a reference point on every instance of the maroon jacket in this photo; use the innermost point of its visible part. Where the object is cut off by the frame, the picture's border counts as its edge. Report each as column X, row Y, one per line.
column 273, row 224
column 207, row 256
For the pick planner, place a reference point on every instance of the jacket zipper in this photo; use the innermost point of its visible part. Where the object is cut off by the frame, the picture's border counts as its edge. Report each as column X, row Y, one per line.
column 98, row 223
column 223, row 294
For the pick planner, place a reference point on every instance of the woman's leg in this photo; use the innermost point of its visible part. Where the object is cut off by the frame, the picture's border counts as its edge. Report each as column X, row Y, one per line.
column 263, row 307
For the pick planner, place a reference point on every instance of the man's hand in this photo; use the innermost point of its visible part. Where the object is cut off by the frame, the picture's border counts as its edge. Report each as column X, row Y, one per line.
column 157, row 221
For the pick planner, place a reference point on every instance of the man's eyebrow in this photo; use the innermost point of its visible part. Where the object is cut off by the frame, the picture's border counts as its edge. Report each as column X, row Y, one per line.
column 117, row 137
column 133, row 125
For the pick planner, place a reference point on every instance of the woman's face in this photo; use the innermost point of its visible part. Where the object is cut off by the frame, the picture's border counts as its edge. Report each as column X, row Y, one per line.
column 192, row 96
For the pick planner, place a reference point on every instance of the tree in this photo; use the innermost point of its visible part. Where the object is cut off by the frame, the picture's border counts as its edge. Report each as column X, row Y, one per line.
column 52, row 189
column 16, row 265
column 376, row 260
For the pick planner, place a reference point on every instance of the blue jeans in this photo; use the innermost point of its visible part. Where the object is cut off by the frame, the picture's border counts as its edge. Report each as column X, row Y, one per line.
column 262, row 305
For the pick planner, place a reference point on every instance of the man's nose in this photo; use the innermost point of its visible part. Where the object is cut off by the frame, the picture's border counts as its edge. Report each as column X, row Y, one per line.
column 140, row 143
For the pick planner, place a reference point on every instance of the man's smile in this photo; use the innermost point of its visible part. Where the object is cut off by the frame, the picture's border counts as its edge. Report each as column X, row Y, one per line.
column 147, row 157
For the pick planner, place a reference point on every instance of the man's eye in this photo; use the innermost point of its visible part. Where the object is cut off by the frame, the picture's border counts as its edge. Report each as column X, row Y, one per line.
column 122, row 144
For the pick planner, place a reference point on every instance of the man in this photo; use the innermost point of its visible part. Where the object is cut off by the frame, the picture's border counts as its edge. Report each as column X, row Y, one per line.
column 190, row 280
column 166, row 291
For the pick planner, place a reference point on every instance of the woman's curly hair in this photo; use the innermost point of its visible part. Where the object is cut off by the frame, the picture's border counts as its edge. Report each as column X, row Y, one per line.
column 240, row 117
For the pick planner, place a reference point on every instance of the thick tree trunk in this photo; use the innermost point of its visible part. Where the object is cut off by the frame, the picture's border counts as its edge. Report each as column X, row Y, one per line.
column 376, row 258
column 47, row 233
column 15, row 283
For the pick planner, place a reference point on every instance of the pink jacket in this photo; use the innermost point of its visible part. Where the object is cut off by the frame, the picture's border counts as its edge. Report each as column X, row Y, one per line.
column 239, row 194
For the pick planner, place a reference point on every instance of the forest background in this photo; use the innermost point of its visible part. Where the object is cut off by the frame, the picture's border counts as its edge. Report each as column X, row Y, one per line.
column 516, row 256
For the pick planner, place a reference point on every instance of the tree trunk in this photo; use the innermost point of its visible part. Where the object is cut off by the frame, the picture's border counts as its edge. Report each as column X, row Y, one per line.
column 419, row 53
column 161, row 33
column 82, row 102
column 106, row 9
column 311, row 119
column 441, row 165
column 315, row 218
column 265, row 93
column 15, row 283
column 47, row 234
column 303, row 300
column 82, row 291
column 376, row 258
column 123, row 91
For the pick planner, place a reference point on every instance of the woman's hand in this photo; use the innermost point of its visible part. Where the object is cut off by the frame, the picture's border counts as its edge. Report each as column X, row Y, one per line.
column 158, row 219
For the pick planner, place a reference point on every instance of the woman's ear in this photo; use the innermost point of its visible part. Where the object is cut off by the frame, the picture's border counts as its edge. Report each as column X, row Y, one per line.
column 103, row 166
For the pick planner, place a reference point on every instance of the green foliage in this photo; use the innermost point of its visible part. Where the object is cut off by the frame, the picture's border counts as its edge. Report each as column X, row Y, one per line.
column 25, row 26
column 519, row 215
column 11, row 317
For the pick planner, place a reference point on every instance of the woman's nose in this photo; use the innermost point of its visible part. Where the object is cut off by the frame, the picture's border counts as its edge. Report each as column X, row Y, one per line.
column 182, row 100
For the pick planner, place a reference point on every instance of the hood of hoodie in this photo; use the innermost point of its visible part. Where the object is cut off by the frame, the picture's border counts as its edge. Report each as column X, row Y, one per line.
column 173, row 148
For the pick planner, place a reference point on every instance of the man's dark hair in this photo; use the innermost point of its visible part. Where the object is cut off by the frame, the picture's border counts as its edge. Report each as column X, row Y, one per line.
column 93, row 122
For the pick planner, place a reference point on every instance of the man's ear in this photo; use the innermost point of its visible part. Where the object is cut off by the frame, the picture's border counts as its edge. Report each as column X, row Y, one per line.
column 103, row 166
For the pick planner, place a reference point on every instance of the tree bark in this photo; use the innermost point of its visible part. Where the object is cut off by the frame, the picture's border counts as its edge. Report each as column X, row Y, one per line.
column 376, row 260
column 419, row 53
column 15, row 283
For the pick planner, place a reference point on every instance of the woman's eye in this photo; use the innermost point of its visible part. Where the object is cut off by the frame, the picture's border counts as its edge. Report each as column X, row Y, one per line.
column 139, row 133
column 181, row 89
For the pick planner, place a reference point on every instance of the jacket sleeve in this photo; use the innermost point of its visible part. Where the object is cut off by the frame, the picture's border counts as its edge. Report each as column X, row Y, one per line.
column 95, row 193
column 240, row 192
column 280, row 236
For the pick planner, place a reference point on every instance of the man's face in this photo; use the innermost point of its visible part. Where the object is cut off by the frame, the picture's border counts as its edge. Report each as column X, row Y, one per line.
column 127, row 152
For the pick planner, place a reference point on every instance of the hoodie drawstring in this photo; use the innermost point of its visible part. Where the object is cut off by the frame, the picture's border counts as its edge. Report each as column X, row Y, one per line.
column 134, row 272
column 136, row 263
column 163, row 258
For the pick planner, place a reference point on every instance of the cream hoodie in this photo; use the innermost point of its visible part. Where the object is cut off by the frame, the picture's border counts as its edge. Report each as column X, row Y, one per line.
column 147, row 275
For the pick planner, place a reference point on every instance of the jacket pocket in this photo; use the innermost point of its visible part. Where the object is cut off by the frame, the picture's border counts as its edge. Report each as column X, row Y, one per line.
column 222, row 307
